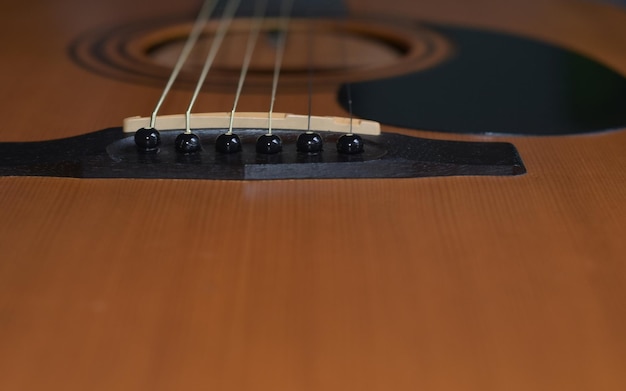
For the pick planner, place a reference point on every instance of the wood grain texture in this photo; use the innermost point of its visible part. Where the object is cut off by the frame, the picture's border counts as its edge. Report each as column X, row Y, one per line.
column 433, row 283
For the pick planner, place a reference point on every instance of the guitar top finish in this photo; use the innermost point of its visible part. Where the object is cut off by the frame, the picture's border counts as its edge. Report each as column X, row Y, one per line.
column 446, row 283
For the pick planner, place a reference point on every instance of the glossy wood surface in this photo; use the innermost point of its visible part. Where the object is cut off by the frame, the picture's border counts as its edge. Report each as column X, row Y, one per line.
column 434, row 283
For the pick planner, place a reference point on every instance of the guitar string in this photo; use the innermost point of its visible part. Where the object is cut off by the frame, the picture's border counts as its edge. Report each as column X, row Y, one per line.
column 198, row 27
column 310, row 60
column 224, row 24
column 285, row 17
column 259, row 17
column 349, row 97
column 346, row 64
column 206, row 11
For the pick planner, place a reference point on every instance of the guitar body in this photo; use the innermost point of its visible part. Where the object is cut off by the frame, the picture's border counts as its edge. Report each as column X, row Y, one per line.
column 451, row 283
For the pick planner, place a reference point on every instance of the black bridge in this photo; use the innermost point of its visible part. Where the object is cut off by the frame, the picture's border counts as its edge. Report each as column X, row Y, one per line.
column 111, row 153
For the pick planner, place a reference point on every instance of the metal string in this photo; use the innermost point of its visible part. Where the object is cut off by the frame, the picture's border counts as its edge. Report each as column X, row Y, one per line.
column 259, row 14
column 310, row 59
column 346, row 61
column 285, row 16
column 227, row 18
column 203, row 16
column 206, row 11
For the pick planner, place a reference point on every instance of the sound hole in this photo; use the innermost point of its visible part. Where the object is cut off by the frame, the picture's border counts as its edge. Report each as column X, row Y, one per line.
column 499, row 84
column 332, row 51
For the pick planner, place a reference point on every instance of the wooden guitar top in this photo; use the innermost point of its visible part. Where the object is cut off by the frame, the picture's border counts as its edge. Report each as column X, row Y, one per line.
column 455, row 283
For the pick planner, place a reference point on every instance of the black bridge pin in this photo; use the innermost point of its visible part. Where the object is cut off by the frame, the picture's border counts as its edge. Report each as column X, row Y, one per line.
column 187, row 143
column 310, row 142
column 269, row 144
column 147, row 139
column 228, row 143
column 350, row 144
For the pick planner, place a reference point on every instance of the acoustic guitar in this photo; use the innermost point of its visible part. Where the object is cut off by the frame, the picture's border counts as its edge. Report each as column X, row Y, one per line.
column 485, row 252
